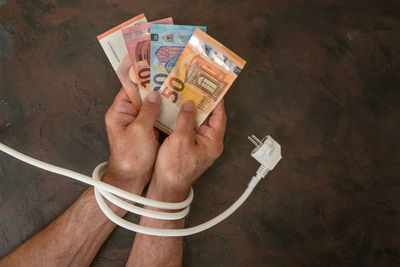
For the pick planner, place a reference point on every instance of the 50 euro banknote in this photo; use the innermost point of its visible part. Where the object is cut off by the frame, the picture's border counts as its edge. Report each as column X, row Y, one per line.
column 137, row 41
column 113, row 44
column 166, row 45
column 203, row 74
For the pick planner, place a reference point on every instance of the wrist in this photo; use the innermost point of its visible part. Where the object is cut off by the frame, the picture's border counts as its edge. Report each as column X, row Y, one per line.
column 122, row 169
column 164, row 190
column 125, row 181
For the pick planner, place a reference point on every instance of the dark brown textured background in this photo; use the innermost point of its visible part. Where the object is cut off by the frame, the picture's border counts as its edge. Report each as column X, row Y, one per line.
column 323, row 78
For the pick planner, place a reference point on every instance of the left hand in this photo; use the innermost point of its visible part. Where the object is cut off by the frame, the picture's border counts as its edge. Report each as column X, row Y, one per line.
column 133, row 144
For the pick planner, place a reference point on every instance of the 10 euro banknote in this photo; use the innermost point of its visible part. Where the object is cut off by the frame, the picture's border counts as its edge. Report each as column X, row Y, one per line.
column 166, row 45
column 113, row 44
column 203, row 74
column 137, row 41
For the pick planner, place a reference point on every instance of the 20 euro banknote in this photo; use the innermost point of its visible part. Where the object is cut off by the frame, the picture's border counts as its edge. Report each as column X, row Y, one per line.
column 113, row 44
column 203, row 74
column 137, row 41
column 166, row 45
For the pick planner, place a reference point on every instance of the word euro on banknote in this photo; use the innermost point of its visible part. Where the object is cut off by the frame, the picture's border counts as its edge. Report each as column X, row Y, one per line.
column 203, row 74
column 166, row 45
column 113, row 45
column 137, row 41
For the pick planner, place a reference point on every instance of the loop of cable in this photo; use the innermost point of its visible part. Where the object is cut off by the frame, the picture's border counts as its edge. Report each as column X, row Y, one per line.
column 114, row 194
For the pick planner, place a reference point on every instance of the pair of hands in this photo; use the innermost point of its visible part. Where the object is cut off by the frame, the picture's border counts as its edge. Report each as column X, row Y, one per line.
column 178, row 162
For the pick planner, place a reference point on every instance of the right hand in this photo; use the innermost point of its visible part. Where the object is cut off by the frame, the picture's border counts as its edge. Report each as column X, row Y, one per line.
column 185, row 154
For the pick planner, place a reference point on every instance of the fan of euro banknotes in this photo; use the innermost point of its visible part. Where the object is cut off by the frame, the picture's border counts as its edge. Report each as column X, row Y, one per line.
column 182, row 63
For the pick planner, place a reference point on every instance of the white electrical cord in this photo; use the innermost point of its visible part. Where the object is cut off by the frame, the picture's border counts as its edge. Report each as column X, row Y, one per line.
column 261, row 173
column 110, row 192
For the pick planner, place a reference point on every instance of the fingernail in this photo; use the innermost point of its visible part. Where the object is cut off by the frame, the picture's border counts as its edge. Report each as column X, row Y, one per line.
column 153, row 97
column 188, row 107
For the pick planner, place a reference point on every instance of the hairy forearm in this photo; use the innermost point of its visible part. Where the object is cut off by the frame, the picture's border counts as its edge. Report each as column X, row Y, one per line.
column 155, row 250
column 73, row 239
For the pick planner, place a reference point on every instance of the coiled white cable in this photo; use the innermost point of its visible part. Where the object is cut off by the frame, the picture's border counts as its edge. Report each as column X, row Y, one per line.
column 110, row 192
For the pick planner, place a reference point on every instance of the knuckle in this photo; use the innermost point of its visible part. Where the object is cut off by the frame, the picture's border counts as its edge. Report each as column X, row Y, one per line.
column 182, row 139
column 148, row 108
column 218, row 151
column 107, row 118
column 185, row 117
column 223, row 121
column 139, row 127
column 144, row 109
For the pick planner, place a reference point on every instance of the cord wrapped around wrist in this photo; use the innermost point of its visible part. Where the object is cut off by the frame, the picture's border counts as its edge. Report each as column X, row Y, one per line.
column 111, row 192
column 100, row 193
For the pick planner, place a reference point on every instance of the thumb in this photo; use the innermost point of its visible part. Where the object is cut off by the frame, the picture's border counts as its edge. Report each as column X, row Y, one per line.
column 186, row 121
column 149, row 110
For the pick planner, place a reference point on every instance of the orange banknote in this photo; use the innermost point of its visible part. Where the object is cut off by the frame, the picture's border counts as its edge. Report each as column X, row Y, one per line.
column 203, row 74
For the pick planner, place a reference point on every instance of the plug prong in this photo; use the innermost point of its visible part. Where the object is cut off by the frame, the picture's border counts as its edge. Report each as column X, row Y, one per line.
column 259, row 143
column 252, row 140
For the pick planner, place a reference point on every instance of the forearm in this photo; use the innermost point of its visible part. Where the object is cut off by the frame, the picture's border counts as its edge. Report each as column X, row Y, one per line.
column 155, row 250
column 73, row 239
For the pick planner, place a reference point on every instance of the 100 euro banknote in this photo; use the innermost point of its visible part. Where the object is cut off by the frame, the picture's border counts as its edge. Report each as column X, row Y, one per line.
column 137, row 41
column 166, row 45
column 113, row 45
column 203, row 74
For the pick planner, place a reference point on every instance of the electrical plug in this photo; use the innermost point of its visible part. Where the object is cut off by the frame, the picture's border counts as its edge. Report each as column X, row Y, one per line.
column 267, row 151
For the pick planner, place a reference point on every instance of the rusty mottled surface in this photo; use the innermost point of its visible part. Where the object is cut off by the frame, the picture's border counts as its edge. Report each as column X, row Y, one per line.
column 323, row 78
